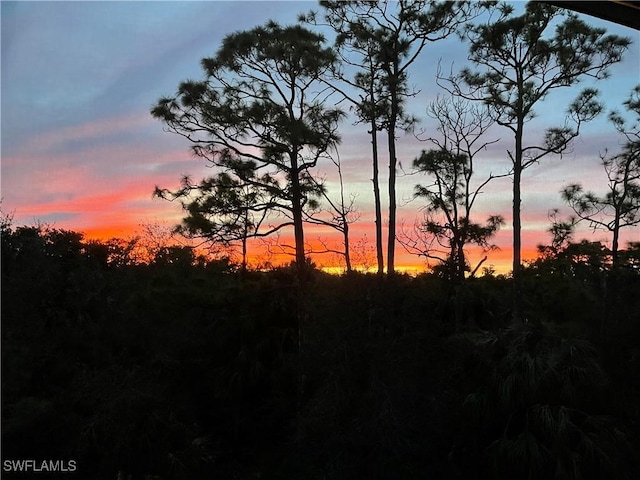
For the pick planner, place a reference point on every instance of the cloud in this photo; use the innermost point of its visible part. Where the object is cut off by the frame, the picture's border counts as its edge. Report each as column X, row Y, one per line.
column 123, row 208
column 107, row 165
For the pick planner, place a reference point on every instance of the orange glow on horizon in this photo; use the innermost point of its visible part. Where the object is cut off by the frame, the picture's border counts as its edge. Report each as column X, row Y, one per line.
column 259, row 256
column 104, row 233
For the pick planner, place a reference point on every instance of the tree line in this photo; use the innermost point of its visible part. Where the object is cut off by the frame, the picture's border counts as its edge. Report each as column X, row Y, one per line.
column 267, row 112
column 137, row 359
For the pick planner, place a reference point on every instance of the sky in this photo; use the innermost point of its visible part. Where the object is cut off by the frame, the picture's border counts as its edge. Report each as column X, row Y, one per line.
column 80, row 150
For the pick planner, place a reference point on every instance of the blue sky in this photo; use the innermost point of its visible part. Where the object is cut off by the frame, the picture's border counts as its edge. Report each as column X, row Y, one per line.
column 80, row 150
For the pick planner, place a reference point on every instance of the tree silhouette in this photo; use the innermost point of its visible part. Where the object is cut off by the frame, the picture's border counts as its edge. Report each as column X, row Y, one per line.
column 222, row 210
column 357, row 49
column 392, row 35
column 520, row 62
column 260, row 116
column 339, row 215
column 451, row 195
column 620, row 206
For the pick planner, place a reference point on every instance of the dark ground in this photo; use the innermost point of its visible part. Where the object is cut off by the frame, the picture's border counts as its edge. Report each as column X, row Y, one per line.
column 184, row 371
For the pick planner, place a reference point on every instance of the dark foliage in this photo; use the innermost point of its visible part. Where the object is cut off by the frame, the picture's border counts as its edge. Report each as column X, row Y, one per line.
column 180, row 369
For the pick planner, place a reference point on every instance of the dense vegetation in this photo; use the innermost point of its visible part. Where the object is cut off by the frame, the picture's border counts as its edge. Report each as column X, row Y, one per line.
column 179, row 368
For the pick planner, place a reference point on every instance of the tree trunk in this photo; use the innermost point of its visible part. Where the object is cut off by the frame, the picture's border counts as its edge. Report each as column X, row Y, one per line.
column 376, row 196
column 245, row 236
column 244, row 254
column 296, row 211
column 517, row 228
column 347, row 253
column 461, row 260
column 615, row 241
column 391, row 135
column 391, row 246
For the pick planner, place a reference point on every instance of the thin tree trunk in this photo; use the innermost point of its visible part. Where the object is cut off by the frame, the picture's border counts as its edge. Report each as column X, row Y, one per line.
column 393, row 160
column 244, row 254
column 245, row 236
column 376, row 196
column 391, row 245
column 347, row 253
column 615, row 242
column 517, row 229
column 296, row 211
column 299, row 234
column 461, row 261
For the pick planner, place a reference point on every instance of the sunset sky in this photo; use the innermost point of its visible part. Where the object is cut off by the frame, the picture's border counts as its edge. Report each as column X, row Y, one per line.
column 80, row 150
